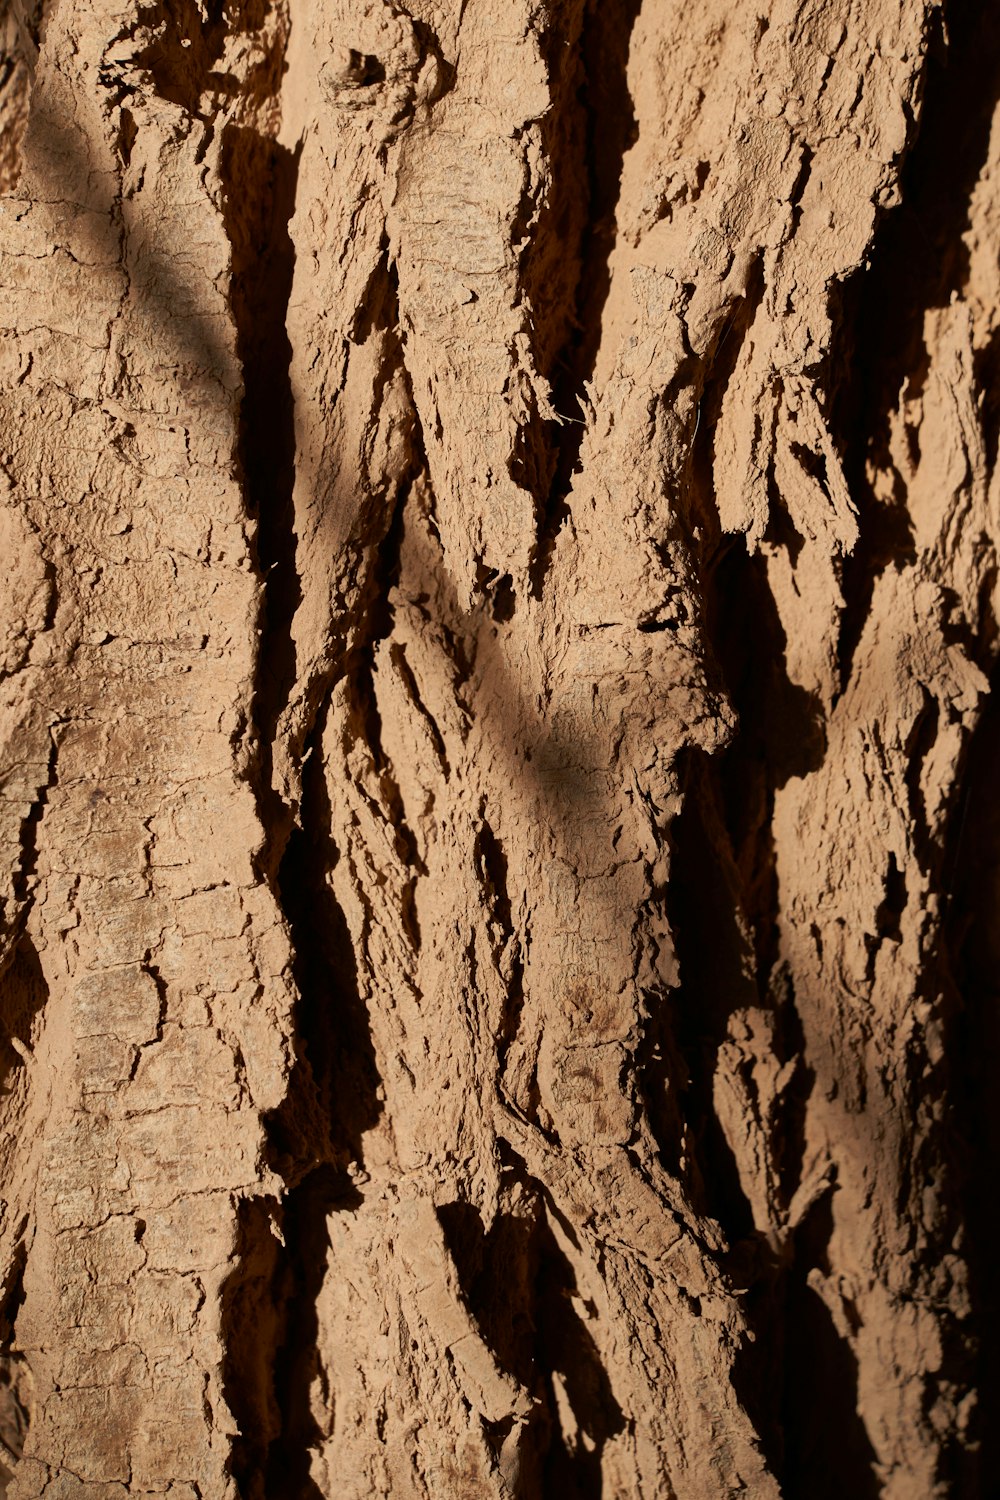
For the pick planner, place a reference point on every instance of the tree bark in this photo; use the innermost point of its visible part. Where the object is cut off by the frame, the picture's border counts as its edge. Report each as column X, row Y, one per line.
column 500, row 900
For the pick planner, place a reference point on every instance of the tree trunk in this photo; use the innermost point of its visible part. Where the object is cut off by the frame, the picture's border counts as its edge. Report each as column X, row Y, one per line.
column 502, row 872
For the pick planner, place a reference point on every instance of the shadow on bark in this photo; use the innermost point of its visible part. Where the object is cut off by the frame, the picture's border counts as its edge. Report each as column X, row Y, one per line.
column 567, row 263
column 724, row 865
column 259, row 181
column 827, row 1451
column 972, row 867
column 722, row 899
column 331, row 1094
column 918, row 260
column 23, row 995
column 568, row 1353
column 522, row 1294
column 268, row 1305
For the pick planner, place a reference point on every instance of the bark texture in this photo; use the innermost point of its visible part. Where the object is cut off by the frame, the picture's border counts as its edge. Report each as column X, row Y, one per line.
column 501, row 868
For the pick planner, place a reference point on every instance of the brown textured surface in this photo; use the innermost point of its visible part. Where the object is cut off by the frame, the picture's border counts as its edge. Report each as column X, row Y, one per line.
column 500, row 886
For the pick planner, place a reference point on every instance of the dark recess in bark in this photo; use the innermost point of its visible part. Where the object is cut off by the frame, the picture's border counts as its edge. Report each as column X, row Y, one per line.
column 586, row 136
column 520, row 1289
column 973, row 949
column 259, row 177
column 827, row 1451
column 331, row 1098
column 918, row 260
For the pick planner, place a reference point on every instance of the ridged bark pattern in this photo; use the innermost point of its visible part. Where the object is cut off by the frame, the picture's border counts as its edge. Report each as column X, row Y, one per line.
column 500, row 880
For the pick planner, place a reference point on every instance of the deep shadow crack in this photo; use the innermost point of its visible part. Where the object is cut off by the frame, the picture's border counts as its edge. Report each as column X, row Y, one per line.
column 567, row 267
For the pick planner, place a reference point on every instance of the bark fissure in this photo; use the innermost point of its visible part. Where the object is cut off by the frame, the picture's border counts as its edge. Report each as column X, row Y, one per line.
column 315, row 1139
column 23, row 881
column 918, row 262
column 586, row 49
column 972, row 956
column 259, row 181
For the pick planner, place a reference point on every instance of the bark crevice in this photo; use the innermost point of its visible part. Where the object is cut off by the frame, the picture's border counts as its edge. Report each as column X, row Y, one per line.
column 333, row 1096
column 585, row 135
column 971, row 954
column 918, row 261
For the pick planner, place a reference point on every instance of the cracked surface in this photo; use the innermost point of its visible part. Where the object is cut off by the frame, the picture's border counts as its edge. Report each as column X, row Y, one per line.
column 496, row 981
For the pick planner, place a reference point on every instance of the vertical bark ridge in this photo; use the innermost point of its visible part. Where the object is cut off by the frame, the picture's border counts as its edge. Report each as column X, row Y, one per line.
column 914, row 306
column 166, row 999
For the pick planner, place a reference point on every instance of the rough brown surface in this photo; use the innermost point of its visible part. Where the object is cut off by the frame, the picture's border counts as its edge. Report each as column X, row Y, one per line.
column 501, row 871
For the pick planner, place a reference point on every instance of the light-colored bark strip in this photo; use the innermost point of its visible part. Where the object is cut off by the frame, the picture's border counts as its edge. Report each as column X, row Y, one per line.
column 161, row 1036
